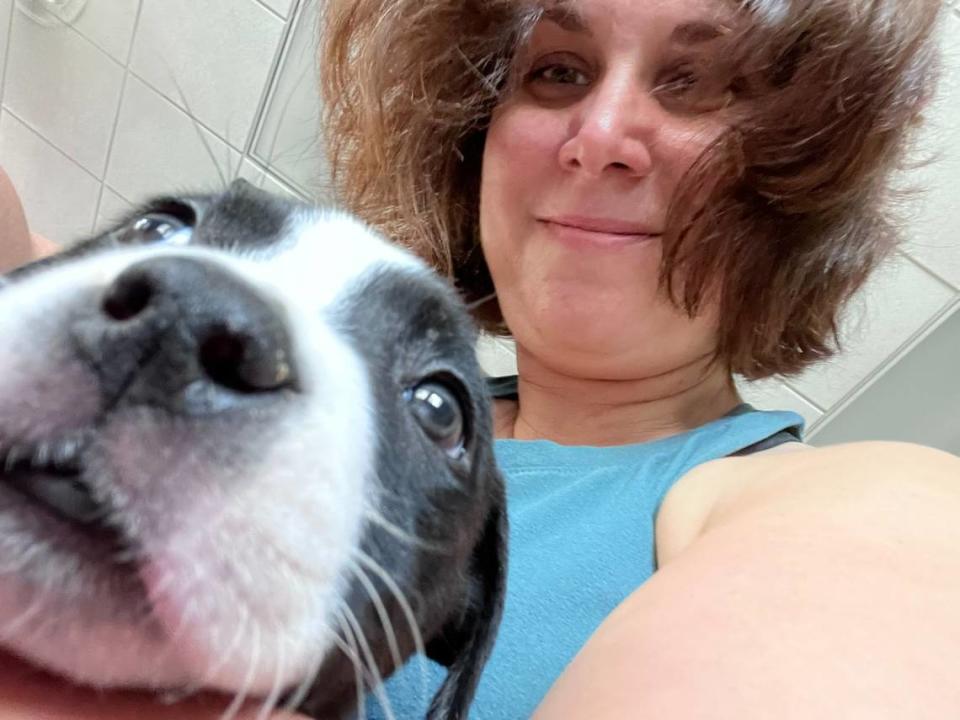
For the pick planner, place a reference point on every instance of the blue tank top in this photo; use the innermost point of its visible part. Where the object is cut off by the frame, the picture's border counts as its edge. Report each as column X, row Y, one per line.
column 581, row 540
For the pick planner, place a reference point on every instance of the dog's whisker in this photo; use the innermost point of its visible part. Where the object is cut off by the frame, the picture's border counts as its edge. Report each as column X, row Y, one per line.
column 298, row 695
column 161, row 589
column 353, row 654
column 307, row 68
column 21, row 560
column 405, row 607
column 381, row 613
column 225, row 656
column 380, row 520
column 9, row 629
column 171, row 646
column 241, row 695
column 376, row 682
column 224, row 183
column 481, row 301
column 273, row 697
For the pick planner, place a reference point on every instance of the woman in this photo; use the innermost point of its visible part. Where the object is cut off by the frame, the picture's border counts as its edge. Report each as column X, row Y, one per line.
column 663, row 194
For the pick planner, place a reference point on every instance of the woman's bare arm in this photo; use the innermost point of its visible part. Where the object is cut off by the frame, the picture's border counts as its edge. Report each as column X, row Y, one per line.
column 826, row 584
column 17, row 244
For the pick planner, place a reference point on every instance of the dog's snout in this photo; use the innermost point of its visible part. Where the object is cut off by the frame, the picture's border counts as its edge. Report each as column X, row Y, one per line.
column 129, row 295
column 179, row 331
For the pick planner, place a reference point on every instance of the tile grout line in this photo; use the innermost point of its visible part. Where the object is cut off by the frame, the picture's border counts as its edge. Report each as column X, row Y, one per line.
column 802, row 396
column 891, row 359
column 96, row 176
column 197, row 122
column 272, row 81
column 269, row 9
column 894, row 356
column 923, row 266
column 6, row 50
column 116, row 116
column 316, row 188
column 92, row 43
column 48, row 142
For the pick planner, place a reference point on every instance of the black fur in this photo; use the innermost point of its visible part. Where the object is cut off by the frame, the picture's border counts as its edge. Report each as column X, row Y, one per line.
column 408, row 328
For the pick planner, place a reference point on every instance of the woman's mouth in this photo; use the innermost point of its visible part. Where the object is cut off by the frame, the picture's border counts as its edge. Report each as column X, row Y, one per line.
column 596, row 233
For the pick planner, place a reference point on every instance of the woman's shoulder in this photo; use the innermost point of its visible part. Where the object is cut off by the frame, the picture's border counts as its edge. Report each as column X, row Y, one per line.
column 725, row 487
column 700, row 491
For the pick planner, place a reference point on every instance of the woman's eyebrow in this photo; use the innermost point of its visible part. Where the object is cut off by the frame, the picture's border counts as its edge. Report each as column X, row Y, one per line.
column 566, row 16
column 697, row 32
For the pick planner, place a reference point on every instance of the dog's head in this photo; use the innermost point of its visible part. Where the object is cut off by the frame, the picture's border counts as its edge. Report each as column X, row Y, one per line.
column 245, row 445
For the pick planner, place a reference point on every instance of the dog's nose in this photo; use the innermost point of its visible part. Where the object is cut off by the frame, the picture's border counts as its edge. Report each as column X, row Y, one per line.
column 187, row 335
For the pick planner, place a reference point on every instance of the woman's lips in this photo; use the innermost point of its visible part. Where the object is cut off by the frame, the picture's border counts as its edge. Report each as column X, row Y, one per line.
column 587, row 233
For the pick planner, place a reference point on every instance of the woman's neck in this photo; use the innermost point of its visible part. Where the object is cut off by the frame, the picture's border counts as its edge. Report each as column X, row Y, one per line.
column 574, row 410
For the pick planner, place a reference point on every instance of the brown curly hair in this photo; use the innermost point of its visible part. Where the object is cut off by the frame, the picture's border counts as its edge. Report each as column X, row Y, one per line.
column 786, row 214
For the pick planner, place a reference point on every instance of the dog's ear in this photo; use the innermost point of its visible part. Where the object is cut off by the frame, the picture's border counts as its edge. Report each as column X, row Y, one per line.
column 465, row 643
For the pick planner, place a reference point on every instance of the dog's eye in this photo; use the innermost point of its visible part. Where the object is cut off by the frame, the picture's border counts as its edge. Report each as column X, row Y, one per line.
column 437, row 409
column 155, row 228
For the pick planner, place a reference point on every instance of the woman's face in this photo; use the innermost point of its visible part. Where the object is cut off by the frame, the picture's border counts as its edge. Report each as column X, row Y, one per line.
column 616, row 100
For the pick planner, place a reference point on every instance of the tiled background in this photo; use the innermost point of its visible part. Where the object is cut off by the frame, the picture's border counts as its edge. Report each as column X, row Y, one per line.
column 142, row 96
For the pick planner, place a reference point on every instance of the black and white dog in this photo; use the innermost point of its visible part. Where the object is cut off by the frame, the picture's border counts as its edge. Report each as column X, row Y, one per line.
column 245, row 445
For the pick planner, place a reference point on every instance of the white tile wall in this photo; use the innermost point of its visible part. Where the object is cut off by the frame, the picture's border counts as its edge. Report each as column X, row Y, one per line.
column 213, row 61
column 281, row 7
column 260, row 177
column 109, row 26
column 774, row 395
column 898, row 302
column 112, row 209
column 6, row 15
column 934, row 215
column 98, row 115
column 63, row 86
column 59, row 196
column 288, row 137
column 111, row 93
column 158, row 148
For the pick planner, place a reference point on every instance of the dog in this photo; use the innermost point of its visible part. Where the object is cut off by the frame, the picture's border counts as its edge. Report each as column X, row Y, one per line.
column 245, row 446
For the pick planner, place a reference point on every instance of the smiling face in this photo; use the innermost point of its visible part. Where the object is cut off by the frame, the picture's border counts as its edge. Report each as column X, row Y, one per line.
column 615, row 101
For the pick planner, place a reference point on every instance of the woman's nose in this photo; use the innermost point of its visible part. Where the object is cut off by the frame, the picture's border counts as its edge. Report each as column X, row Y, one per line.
column 614, row 131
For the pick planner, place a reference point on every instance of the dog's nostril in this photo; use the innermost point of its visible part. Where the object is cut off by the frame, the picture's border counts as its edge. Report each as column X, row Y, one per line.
column 127, row 297
column 241, row 363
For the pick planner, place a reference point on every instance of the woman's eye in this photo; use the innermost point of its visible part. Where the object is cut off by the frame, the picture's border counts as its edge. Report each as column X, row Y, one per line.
column 156, row 228
column 558, row 74
column 681, row 83
column 689, row 90
column 556, row 78
column 438, row 411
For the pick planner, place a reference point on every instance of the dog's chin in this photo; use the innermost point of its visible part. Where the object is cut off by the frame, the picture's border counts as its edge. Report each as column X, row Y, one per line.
column 28, row 692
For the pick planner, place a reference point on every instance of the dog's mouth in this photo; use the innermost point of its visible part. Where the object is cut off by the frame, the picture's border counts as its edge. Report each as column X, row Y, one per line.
column 52, row 474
